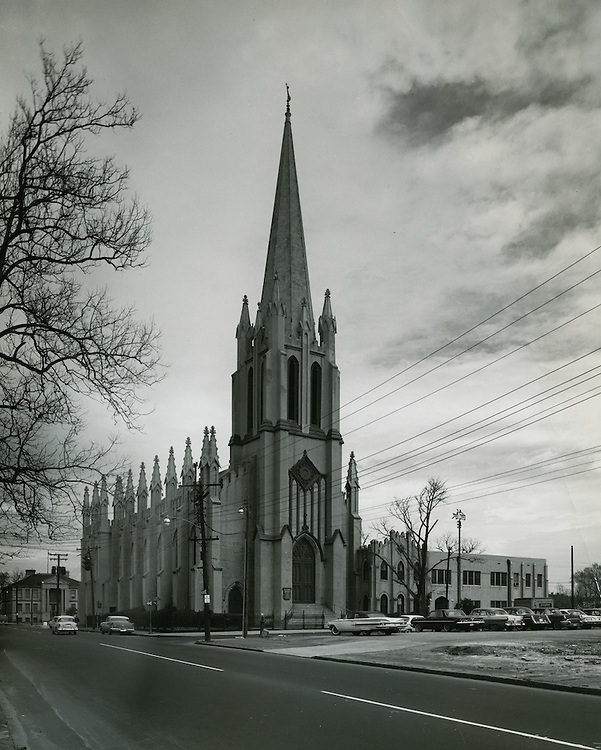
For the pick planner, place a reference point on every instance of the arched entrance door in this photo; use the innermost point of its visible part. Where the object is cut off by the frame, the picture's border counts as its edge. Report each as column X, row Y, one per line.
column 234, row 600
column 303, row 572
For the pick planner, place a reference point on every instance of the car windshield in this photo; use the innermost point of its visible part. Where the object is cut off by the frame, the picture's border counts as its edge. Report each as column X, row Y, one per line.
column 119, row 620
column 65, row 618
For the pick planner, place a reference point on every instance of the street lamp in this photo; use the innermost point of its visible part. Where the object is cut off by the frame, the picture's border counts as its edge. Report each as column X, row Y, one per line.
column 459, row 516
column 244, row 511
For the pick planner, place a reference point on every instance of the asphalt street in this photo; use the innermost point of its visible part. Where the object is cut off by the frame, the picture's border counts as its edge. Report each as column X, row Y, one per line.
column 92, row 691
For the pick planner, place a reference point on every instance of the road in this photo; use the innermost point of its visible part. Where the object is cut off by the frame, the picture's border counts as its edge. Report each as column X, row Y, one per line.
column 128, row 692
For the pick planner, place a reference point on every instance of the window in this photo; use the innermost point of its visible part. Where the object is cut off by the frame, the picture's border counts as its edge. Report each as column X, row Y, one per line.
column 250, row 402
column 498, row 579
column 384, row 604
column 383, row 572
column 516, row 580
column 528, row 580
column 539, row 580
column 471, row 578
column 400, row 571
column 293, row 389
column 316, row 395
column 498, row 603
column 262, row 393
column 441, row 576
column 365, row 571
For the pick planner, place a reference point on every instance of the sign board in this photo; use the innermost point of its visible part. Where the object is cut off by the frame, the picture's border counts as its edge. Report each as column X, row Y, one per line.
column 207, row 598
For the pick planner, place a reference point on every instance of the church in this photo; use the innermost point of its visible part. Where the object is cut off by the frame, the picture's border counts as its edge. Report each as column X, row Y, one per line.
column 279, row 530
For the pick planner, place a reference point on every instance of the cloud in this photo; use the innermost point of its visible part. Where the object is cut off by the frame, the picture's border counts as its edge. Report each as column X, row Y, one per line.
column 428, row 112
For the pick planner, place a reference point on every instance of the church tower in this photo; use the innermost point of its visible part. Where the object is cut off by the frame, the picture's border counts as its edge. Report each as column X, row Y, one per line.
column 286, row 448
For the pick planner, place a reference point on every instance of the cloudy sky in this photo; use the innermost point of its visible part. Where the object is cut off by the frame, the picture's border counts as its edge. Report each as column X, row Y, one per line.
column 448, row 158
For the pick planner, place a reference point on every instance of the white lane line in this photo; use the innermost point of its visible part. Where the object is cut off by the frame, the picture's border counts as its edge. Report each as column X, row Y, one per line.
column 165, row 658
column 460, row 721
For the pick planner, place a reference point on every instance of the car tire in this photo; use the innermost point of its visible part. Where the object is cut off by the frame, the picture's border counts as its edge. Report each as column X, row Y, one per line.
column 417, row 627
column 334, row 630
column 446, row 628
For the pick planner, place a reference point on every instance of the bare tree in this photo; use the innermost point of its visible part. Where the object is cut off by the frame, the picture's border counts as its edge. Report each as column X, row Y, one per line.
column 416, row 515
column 63, row 214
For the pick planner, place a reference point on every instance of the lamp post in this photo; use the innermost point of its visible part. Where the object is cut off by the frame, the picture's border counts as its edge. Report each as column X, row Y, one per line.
column 459, row 516
column 244, row 510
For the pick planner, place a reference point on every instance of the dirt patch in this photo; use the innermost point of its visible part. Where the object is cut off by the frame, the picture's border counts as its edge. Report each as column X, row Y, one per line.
column 561, row 662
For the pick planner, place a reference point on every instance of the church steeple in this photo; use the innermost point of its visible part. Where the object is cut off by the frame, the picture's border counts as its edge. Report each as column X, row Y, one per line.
column 286, row 268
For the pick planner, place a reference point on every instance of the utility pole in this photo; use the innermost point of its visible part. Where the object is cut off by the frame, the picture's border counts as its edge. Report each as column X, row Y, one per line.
column 205, row 568
column 201, row 493
column 87, row 564
column 58, row 556
column 572, row 574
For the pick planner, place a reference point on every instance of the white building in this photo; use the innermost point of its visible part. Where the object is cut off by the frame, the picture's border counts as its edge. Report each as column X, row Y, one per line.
column 487, row 580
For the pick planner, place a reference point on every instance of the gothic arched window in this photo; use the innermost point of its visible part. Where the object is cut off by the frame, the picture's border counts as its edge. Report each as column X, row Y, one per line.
column 262, row 393
column 383, row 571
column 316, row 395
column 293, row 390
column 400, row 571
column 250, row 393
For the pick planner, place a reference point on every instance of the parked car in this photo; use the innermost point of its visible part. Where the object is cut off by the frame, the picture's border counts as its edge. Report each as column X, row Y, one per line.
column 409, row 623
column 596, row 614
column 496, row 618
column 449, row 619
column 580, row 618
column 117, row 624
column 63, row 624
column 556, row 617
column 532, row 620
column 366, row 623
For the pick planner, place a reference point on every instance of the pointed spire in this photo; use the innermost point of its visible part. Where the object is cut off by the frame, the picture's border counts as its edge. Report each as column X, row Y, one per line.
column 118, row 499
column 244, row 324
column 170, row 476
column 286, row 254
column 327, row 328
column 213, row 447
column 155, row 482
column 129, row 493
column 188, row 467
column 142, row 491
column 104, row 493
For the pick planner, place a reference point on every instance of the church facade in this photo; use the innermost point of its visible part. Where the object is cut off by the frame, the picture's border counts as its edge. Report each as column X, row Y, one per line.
column 280, row 526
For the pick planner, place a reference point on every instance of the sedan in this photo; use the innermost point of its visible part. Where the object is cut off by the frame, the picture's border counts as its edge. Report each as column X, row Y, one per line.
column 581, row 619
column 410, row 623
column 117, row 624
column 532, row 620
column 449, row 619
column 63, row 624
column 366, row 623
column 496, row 618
